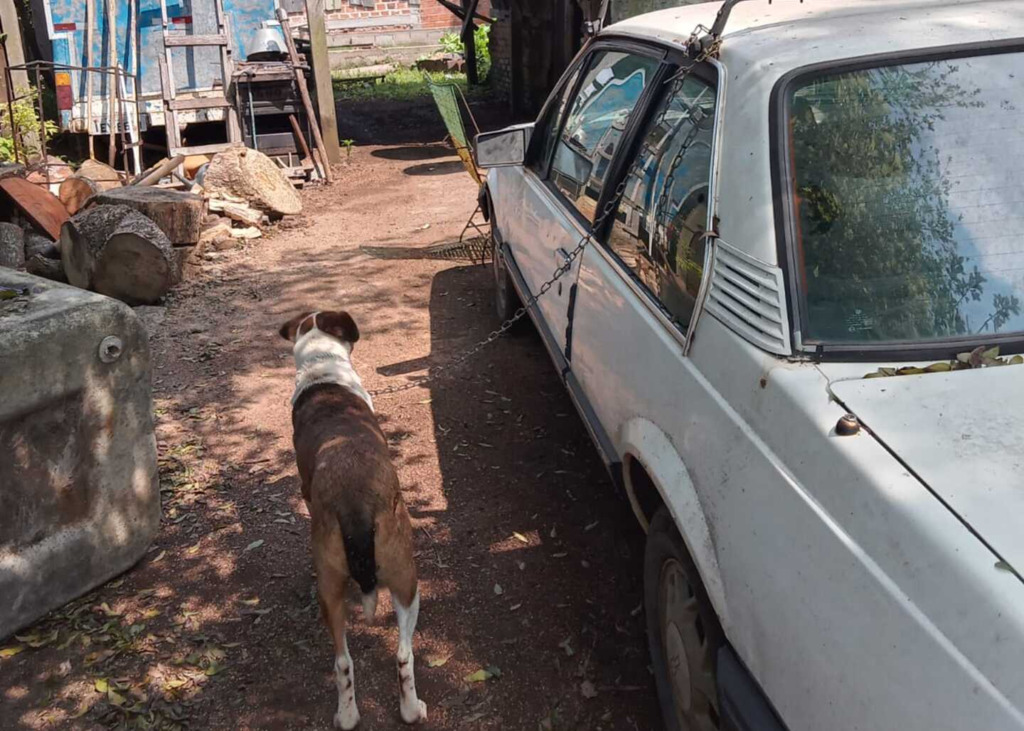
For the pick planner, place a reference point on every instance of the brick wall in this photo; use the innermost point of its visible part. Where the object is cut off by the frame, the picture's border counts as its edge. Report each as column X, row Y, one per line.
column 425, row 14
column 385, row 11
column 500, row 76
column 362, row 32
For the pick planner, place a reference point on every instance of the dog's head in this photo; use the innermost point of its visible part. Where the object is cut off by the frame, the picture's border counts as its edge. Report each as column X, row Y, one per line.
column 339, row 325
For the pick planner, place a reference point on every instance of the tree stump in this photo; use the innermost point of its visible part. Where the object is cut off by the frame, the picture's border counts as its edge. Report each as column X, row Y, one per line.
column 75, row 191
column 179, row 215
column 252, row 176
column 12, row 246
column 117, row 251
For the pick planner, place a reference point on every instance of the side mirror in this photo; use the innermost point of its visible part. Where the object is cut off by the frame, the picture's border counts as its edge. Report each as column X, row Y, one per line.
column 503, row 148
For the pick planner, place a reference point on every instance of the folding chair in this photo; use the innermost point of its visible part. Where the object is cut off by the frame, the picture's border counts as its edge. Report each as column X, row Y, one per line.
column 447, row 96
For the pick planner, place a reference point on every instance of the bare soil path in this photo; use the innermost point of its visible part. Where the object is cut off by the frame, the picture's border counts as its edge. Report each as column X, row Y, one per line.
column 530, row 562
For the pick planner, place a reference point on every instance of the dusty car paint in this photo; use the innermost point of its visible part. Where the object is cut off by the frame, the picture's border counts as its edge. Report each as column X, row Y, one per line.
column 860, row 579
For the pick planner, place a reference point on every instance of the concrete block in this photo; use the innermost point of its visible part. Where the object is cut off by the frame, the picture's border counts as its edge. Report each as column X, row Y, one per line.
column 79, row 488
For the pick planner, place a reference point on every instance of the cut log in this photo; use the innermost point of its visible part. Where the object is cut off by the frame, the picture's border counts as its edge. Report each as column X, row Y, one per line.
column 43, row 209
column 117, row 251
column 237, row 212
column 12, row 246
column 179, row 215
column 252, row 176
column 47, row 268
column 37, row 244
column 104, row 176
column 75, row 191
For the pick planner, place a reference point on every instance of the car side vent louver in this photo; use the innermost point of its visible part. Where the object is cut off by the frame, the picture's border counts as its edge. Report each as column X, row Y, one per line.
column 748, row 296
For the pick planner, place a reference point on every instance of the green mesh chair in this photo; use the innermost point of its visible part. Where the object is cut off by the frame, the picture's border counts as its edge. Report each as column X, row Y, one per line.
column 450, row 103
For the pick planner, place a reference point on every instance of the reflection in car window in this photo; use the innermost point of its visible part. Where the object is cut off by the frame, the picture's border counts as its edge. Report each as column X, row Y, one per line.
column 548, row 127
column 909, row 192
column 659, row 227
column 599, row 113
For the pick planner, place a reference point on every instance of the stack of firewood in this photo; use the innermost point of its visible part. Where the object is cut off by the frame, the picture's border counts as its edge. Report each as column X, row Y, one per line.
column 134, row 242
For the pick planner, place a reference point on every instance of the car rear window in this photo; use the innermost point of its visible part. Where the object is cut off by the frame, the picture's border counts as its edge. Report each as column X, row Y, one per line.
column 908, row 194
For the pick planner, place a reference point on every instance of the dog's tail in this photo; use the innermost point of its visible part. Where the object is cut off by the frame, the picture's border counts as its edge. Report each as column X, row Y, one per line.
column 358, row 534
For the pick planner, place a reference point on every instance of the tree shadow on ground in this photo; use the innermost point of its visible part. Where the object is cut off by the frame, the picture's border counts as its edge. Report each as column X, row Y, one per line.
column 529, row 560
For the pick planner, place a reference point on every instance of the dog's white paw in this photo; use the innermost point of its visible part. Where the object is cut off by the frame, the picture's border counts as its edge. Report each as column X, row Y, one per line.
column 347, row 720
column 414, row 712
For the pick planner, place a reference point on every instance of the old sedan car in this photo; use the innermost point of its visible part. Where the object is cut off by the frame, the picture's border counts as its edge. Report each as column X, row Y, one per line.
column 746, row 223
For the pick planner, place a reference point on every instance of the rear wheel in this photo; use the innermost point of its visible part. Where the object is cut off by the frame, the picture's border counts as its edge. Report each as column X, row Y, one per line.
column 682, row 630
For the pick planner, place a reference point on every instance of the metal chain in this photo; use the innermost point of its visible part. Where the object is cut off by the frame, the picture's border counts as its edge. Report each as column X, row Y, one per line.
column 610, row 206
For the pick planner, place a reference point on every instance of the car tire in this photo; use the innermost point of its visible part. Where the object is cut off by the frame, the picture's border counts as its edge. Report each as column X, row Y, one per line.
column 683, row 632
column 506, row 299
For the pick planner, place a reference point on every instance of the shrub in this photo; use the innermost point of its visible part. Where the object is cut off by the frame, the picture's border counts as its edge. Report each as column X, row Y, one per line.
column 26, row 119
column 452, row 43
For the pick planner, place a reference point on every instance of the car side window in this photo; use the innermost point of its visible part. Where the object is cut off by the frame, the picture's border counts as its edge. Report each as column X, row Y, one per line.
column 658, row 230
column 597, row 117
column 548, row 127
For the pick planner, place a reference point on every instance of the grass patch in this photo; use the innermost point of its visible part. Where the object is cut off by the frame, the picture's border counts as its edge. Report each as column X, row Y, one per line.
column 399, row 85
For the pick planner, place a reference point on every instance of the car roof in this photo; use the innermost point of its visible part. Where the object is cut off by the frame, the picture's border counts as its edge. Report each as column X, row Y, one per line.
column 787, row 34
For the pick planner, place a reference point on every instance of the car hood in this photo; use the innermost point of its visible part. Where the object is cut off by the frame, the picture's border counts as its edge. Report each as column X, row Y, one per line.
column 962, row 433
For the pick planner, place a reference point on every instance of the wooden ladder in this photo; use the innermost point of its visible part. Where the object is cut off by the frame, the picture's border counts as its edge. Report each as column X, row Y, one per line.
column 173, row 105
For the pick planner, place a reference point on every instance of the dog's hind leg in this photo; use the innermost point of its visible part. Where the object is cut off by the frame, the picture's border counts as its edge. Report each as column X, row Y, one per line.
column 332, row 577
column 412, row 708
column 347, row 716
column 396, row 569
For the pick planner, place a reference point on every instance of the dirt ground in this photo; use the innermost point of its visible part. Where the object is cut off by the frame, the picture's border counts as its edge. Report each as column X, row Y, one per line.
column 530, row 561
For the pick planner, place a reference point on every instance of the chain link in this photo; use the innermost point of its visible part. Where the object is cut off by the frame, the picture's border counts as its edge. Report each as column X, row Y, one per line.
column 438, row 372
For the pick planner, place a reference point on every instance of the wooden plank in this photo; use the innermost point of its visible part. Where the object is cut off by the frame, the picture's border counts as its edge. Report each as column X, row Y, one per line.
column 41, row 207
column 197, row 103
column 209, row 40
column 205, row 149
column 321, row 64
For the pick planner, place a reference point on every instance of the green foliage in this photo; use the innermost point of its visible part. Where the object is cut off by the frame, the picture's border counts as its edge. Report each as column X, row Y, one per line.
column 452, row 43
column 399, row 85
column 26, row 121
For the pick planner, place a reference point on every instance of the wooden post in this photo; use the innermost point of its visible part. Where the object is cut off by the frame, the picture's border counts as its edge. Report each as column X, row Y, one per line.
column 321, row 65
column 90, row 60
column 15, row 51
column 469, row 41
column 111, row 90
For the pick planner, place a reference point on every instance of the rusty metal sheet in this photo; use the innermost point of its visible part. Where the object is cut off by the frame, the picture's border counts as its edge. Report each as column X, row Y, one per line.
column 40, row 206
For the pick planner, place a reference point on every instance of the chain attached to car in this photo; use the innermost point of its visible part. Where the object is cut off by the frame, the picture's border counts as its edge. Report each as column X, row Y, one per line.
column 440, row 371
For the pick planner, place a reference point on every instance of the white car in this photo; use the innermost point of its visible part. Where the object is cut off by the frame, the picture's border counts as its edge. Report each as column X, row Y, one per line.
column 746, row 230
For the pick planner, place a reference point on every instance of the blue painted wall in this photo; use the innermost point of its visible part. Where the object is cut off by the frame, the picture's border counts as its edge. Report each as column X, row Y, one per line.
column 194, row 68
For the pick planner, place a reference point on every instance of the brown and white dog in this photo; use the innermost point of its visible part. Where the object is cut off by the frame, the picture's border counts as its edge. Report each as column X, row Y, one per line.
column 360, row 524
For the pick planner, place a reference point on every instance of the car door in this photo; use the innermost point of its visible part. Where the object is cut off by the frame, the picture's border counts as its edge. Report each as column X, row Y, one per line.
column 639, row 287
column 570, row 162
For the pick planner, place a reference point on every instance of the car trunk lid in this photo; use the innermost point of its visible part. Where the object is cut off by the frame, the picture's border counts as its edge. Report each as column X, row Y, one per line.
column 962, row 434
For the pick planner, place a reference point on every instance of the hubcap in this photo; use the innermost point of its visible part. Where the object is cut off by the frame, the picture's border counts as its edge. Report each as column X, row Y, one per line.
column 686, row 651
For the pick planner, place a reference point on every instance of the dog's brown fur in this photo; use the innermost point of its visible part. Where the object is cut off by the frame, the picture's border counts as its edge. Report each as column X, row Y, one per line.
column 360, row 524
column 348, row 479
